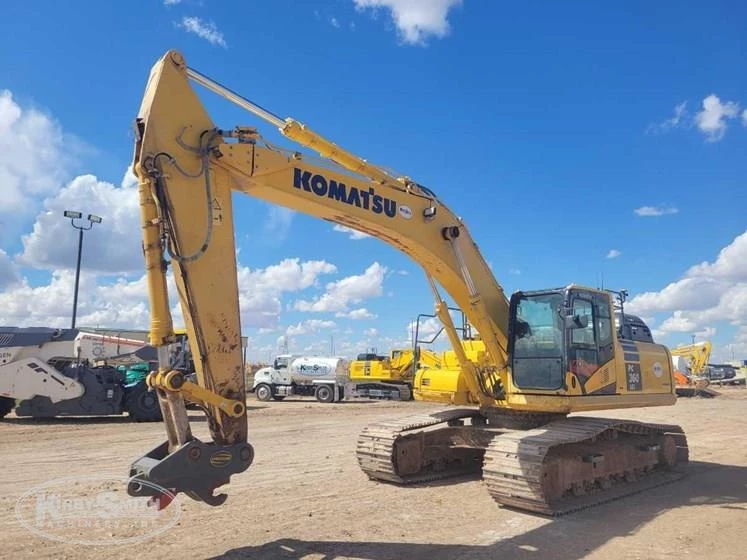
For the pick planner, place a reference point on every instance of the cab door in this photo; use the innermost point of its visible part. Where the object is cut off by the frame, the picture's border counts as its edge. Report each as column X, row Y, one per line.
column 282, row 371
column 591, row 347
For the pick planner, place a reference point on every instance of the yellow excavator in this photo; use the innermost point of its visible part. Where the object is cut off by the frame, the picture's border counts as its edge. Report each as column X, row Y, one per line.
column 390, row 377
column 690, row 371
column 441, row 379
column 548, row 353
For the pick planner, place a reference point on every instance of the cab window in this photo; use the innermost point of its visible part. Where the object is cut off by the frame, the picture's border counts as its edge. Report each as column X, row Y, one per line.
column 537, row 337
column 583, row 358
column 603, row 324
column 583, row 308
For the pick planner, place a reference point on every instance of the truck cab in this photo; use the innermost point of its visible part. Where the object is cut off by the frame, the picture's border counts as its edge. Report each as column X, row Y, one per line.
column 277, row 374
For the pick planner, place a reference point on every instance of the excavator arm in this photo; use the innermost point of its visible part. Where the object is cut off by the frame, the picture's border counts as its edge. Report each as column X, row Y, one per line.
column 187, row 170
column 698, row 355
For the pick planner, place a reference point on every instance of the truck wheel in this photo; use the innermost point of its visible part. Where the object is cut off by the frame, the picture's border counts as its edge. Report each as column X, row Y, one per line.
column 263, row 392
column 142, row 405
column 324, row 394
column 278, row 397
column 6, row 405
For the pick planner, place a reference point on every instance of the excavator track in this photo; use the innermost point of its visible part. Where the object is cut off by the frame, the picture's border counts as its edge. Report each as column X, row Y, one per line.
column 395, row 452
column 580, row 462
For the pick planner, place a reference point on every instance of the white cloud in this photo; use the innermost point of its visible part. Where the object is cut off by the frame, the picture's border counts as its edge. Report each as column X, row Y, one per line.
column 737, row 349
column 171, row 2
column 707, row 293
column 8, row 271
column 699, row 293
column 204, row 29
column 129, row 180
column 113, row 246
column 282, row 342
column 678, row 322
column 678, row 119
column 416, row 20
column 288, row 275
column 706, row 333
column 731, row 263
column 122, row 305
column 34, row 155
column 430, row 326
column 278, row 222
column 353, row 234
column 514, row 271
column 357, row 314
column 372, row 332
column 647, row 211
column 333, row 22
column 744, row 117
column 261, row 290
column 711, row 121
column 353, row 289
column 613, row 254
column 427, row 328
column 309, row 326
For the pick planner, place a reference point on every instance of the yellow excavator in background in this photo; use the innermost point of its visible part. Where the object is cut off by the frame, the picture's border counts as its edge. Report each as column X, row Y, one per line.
column 404, row 367
column 441, row 379
column 548, row 353
column 690, row 371
column 397, row 370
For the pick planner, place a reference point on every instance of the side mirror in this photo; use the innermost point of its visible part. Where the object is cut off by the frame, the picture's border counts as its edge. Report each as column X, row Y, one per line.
column 576, row 321
column 275, row 364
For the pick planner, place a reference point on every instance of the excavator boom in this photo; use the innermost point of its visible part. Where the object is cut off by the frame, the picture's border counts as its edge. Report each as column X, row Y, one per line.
column 187, row 169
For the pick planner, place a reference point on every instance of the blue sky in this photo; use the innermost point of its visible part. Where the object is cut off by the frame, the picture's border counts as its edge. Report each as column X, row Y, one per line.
column 544, row 128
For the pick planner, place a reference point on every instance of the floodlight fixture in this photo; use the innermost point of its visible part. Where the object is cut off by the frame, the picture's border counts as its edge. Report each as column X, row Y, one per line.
column 92, row 219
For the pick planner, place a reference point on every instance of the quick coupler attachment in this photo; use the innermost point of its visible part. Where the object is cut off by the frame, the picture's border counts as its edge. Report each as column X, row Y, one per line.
column 195, row 468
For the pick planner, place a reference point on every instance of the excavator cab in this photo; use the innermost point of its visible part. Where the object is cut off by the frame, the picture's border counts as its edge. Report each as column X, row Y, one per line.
column 552, row 332
column 568, row 342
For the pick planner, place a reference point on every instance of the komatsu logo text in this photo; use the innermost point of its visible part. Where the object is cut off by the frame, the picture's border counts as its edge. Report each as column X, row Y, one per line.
column 361, row 198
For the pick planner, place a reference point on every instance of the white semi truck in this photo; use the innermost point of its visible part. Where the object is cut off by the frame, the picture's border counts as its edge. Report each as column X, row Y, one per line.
column 291, row 374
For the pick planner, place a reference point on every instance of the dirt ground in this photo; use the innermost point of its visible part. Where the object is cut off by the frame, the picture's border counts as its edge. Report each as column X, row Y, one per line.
column 305, row 497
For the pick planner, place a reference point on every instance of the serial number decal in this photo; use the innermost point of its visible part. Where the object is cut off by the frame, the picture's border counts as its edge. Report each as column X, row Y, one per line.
column 633, row 375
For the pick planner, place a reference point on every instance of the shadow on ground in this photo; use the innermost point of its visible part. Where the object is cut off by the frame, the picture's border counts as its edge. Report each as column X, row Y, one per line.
column 571, row 537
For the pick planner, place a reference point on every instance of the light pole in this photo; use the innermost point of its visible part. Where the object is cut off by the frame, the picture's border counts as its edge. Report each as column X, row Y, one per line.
column 92, row 219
